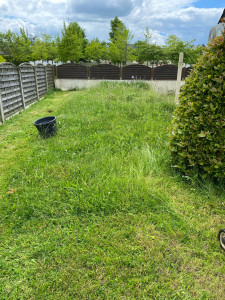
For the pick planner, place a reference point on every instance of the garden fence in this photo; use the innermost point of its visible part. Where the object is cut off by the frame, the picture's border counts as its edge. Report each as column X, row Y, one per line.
column 112, row 72
column 22, row 86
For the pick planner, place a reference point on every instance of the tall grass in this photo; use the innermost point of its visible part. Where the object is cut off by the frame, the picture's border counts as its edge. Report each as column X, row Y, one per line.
column 97, row 212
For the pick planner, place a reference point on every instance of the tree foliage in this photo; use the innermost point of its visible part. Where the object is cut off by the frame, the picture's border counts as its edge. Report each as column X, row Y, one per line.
column 146, row 51
column 119, row 47
column 16, row 47
column 39, row 50
column 44, row 48
column 174, row 46
column 116, row 24
column 72, row 43
column 198, row 130
column 7, row 44
column 24, row 50
column 52, row 49
column 2, row 59
column 95, row 50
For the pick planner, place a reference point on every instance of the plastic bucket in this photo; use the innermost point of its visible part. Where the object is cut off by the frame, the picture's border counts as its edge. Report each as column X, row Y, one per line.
column 47, row 126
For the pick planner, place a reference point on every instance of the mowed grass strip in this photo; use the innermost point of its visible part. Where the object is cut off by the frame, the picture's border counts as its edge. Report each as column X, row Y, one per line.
column 96, row 212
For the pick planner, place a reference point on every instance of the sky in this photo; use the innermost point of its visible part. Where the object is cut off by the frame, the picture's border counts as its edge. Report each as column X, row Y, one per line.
column 187, row 19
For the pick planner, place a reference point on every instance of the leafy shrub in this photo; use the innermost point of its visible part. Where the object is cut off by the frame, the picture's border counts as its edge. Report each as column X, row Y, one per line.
column 197, row 140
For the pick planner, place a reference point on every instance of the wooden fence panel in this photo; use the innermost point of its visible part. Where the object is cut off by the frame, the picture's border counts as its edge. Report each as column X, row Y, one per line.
column 72, row 71
column 50, row 76
column 186, row 72
column 140, row 72
column 28, row 83
column 41, row 80
column 105, row 71
column 10, row 89
column 165, row 72
column 112, row 72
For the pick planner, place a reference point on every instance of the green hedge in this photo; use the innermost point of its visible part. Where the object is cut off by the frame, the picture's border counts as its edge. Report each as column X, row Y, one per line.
column 197, row 140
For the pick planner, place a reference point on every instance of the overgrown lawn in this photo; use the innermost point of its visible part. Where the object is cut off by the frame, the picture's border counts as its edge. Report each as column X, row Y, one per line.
column 97, row 212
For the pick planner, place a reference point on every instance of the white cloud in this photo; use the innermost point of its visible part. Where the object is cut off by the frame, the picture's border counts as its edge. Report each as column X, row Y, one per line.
column 164, row 18
column 176, row 17
column 101, row 8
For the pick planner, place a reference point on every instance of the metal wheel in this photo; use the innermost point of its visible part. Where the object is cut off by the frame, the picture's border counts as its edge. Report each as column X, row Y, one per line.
column 221, row 237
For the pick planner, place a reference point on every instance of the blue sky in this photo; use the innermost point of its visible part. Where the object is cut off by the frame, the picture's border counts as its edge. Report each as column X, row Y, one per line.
column 209, row 3
column 188, row 19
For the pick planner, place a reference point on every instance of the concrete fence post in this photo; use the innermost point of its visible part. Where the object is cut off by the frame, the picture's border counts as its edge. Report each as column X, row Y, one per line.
column 2, row 117
column 152, row 74
column 36, row 82
column 54, row 70
column 55, row 74
column 46, row 77
column 179, row 74
column 88, row 72
column 21, row 87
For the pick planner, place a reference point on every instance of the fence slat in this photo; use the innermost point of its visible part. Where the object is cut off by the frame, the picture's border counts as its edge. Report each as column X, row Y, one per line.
column 5, row 92
column 10, row 97
column 46, row 79
column 2, row 119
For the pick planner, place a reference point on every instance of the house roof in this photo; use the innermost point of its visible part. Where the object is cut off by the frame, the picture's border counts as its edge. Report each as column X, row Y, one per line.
column 222, row 18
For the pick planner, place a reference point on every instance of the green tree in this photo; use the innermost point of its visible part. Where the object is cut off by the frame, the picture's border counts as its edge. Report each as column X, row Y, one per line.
column 2, row 59
column 72, row 43
column 147, row 51
column 96, row 50
column 140, row 51
column 174, row 46
column 44, row 48
column 52, row 50
column 105, row 51
column 17, row 47
column 24, row 49
column 8, row 45
column 39, row 50
column 116, row 24
column 119, row 46
column 148, row 35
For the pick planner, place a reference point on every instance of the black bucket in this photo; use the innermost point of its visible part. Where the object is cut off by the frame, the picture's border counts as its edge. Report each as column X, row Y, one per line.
column 46, row 126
